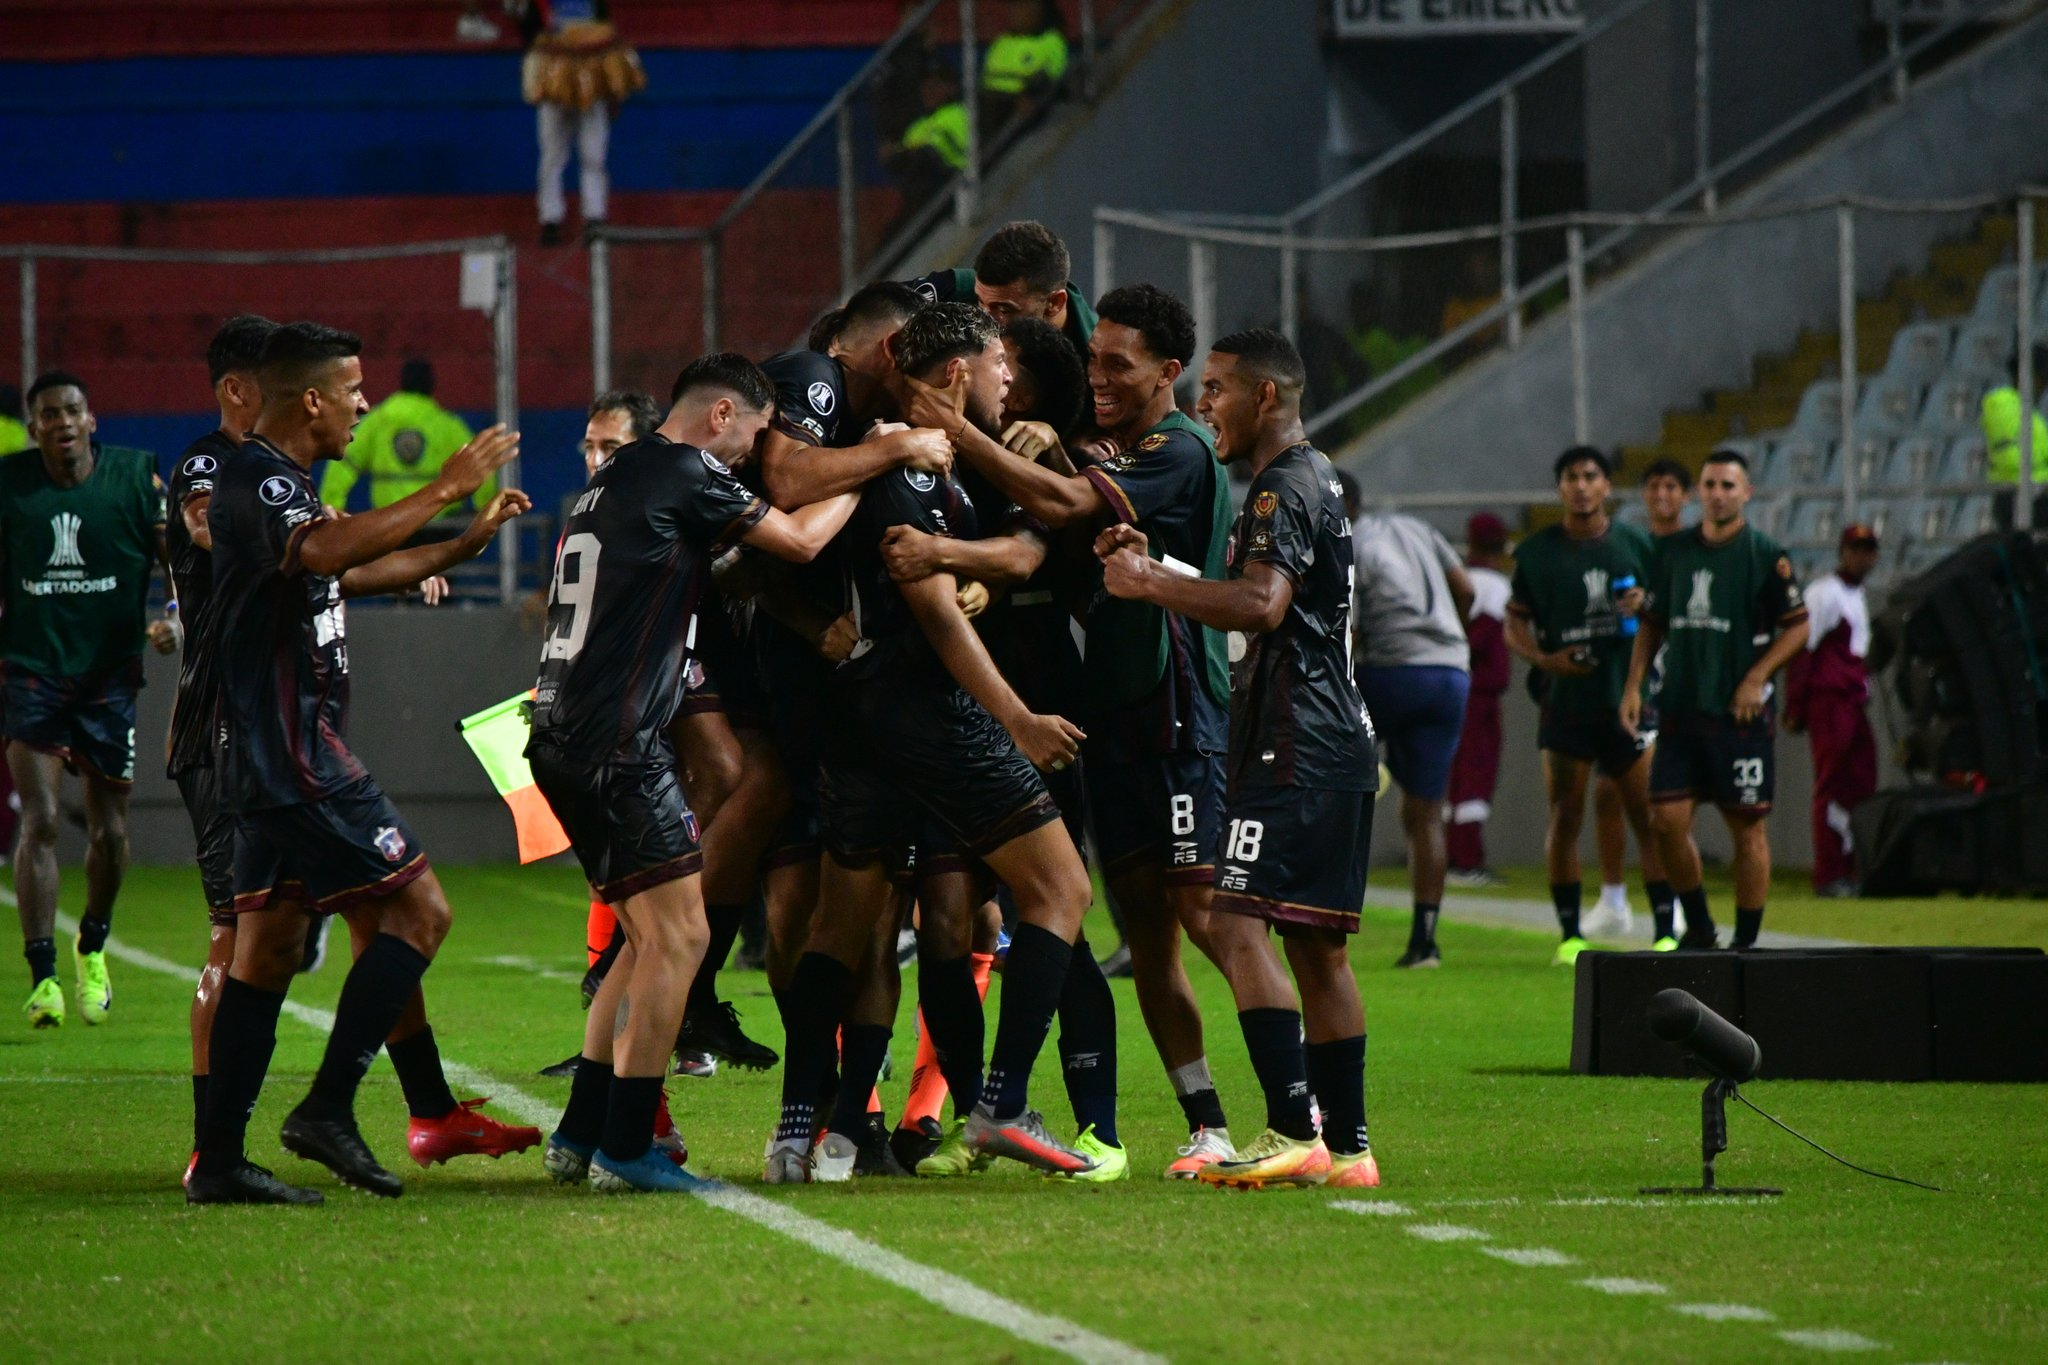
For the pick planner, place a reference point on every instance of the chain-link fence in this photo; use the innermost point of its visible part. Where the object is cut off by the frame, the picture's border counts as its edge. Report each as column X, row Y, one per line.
column 136, row 323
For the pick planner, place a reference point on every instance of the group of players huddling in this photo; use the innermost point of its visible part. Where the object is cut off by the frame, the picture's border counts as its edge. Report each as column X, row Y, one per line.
column 809, row 637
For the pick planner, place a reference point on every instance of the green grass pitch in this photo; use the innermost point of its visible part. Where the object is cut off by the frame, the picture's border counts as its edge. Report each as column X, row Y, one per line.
column 1508, row 1226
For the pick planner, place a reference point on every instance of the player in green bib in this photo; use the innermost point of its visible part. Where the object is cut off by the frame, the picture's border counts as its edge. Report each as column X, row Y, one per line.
column 1571, row 615
column 1021, row 272
column 81, row 524
column 1726, row 610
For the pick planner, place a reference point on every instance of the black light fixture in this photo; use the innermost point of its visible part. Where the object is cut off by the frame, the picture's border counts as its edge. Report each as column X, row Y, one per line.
column 1727, row 1054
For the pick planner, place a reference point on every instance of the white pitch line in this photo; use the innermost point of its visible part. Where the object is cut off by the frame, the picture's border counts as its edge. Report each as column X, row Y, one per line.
column 936, row 1287
column 1831, row 1339
column 1626, row 1203
column 1383, row 1208
column 1724, row 1312
column 1530, row 1256
column 1622, row 1285
column 1446, row 1232
column 528, row 965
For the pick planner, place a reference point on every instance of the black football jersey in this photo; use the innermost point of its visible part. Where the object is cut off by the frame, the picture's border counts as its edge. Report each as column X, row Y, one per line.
column 1296, row 720
column 810, row 398
column 634, row 563
column 280, row 639
column 893, row 648
column 192, row 716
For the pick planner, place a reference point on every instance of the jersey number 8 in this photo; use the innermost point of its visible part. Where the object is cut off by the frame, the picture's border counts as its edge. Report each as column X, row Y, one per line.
column 575, row 588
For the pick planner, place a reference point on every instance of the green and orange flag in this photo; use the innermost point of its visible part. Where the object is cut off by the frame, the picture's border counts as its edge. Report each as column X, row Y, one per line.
column 497, row 736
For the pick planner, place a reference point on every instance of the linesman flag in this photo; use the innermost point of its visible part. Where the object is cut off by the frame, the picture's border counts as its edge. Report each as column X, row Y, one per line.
column 497, row 736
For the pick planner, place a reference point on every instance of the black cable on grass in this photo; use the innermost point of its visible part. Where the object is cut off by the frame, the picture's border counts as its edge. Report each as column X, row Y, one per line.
column 1864, row 1170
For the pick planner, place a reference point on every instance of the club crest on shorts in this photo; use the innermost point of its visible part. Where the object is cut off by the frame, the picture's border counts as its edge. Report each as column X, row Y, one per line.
column 822, row 399
column 275, row 490
column 390, row 843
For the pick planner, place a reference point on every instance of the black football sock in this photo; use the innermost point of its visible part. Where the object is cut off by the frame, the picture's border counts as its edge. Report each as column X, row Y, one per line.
column 590, row 1098
column 1662, row 898
column 629, row 1118
column 372, row 997
column 1699, row 923
column 862, row 1050
column 725, row 927
column 92, row 935
column 1748, row 924
column 1034, row 976
column 1565, row 897
column 42, row 959
column 1422, row 927
column 953, row 1019
column 238, row 1054
column 198, row 1109
column 1273, row 1037
column 814, row 1003
column 1088, row 1044
column 1200, row 1105
column 1336, row 1073
column 417, row 1060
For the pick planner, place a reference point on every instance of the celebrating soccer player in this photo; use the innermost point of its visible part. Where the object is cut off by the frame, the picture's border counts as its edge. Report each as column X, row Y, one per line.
column 1302, row 771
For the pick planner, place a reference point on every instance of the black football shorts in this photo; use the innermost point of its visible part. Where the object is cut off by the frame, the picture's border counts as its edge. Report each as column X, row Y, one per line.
column 213, row 841
column 625, row 818
column 1295, row 855
column 331, row 854
column 1601, row 740
column 1712, row 758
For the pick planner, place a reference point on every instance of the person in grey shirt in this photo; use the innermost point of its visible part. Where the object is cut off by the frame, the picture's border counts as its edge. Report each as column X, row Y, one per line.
column 1412, row 665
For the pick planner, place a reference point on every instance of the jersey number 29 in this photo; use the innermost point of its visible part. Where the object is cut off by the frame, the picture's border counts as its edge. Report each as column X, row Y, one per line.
column 576, row 589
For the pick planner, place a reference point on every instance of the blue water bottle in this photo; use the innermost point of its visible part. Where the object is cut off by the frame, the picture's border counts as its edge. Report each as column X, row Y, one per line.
column 1624, row 584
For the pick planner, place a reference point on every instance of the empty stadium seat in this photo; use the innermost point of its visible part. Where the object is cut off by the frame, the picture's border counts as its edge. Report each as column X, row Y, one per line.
column 1914, row 461
column 1889, row 404
column 1920, row 352
column 1964, row 460
column 1972, row 517
column 1814, row 518
column 1872, row 452
column 1820, row 408
column 1983, row 348
column 1767, row 512
column 1952, row 404
column 1998, row 296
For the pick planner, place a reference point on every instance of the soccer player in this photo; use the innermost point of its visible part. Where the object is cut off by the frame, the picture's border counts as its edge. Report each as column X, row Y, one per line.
column 1724, row 607
column 1570, row 617
column 313, row 833
column 80, row 526
column 1157, row 683
column 923, row 729
column 439, row 1128
column 635, row 557
column 1021, row 271
column 1298, row 819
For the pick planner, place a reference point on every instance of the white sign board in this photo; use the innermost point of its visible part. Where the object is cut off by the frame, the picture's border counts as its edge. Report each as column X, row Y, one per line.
column 1456, row 18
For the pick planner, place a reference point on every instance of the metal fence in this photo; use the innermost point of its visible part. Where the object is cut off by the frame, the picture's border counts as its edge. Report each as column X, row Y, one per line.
column 118, row 305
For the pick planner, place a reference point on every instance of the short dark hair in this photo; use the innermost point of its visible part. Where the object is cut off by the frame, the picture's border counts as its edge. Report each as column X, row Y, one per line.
column 1266, row 354
column 1728, row 455
column 416, row 376
column 1664, row 467
column 1026, row 252
column 640, row 410
column 890, row 303
column 237, row 346
column 52, row 379
column 294, row 351
column 1057, row 371
column 1581, row 455
column 941, row 332
column 728, row 370
column 1163, row 320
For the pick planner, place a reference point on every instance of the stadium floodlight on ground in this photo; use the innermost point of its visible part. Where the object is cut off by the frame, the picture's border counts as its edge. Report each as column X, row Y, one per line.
column 1730, row 1056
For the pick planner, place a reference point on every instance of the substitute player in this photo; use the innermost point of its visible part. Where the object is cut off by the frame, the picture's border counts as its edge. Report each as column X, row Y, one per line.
column 80, row 525
column 314, row 835
column 1570, row 616
column 636, row 554
column 1021, row 271
column 1726, row 610
column 1298, row 816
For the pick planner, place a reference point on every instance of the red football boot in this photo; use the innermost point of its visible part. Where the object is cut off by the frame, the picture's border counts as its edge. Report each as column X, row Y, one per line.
column 465, row 1131
column 667, row 1137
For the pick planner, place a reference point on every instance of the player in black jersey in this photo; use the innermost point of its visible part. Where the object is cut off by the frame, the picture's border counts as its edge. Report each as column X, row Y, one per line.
column 439, row 1128
column 1302, row 766
column 914, row 737
column 313, row 833
column 635, row 557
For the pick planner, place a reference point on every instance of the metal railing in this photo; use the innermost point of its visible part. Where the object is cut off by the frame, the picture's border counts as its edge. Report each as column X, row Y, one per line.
column 486, row 281
column 1285, row 244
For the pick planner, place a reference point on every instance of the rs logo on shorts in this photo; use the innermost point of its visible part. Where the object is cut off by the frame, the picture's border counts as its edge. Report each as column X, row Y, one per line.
column 1184, row 853
column 390, row 843
column 1234, row 879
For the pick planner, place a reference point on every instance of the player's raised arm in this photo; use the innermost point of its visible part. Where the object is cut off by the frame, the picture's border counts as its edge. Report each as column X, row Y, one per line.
column 1002, row 561
column 1255, row 603
column 404, row 569
column 334, row 547
column 1055, row 499
column 799, row 536
column 799, row 474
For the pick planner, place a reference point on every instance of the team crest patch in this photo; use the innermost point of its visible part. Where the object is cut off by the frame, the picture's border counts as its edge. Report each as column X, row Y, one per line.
column 390, row 843
column 1265, row 504
column 199, row 466
column 823, row 400
column 1153, row 442
column 712, row 462
column 921, row 481
column 275, row 490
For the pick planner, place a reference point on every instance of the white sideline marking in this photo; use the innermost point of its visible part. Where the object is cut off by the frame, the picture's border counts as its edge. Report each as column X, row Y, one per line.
column 1384, row 1208
column 1620, row 1203
column 134, row 1078
column 1831, row 1339
column 936, row 1287
column 1624, row 1286
column 1446, row 1232
column 527, row 964
column 1724, row 1312
column 1530, row 1256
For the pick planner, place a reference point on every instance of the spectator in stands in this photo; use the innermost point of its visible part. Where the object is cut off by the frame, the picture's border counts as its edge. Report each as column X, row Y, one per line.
column 401, row 445
column 1477, row 767
column 1827, row 694
column 575, row 75
column 933, row 149
column 2001, row 421
column 13, row 434
column 1022, row 71
column 1412, row 664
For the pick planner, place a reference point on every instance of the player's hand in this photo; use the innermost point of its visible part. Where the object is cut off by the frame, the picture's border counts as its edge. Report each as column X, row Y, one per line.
column 838, row 640
column 1749, row 701
column 166, row 634
column 1030, row 439
column 1631, row 711
column 1122, row 536
column 1050, row 742
column 434, row 591
column 487, row 452
column 1097, row 449
column 1631, row 602
column 972, row 598
column 509, row 503
column 926, row 450
column 933, row 406
column 1126, row 574
column 910, row 554
column 1565, row 663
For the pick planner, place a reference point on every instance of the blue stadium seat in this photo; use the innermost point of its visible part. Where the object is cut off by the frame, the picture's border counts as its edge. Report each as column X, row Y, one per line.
column 1873, row 451
column 1815, row 518
column 1820, row 408
column 1889, row 404
column 1914, row 461
column 1964, row 460
column 1998, row 296
column 1767, row 512
column 1799, row 458
column 1920, row 352
column 1952, row 404
column 1983, row 348
column 1972, row 517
